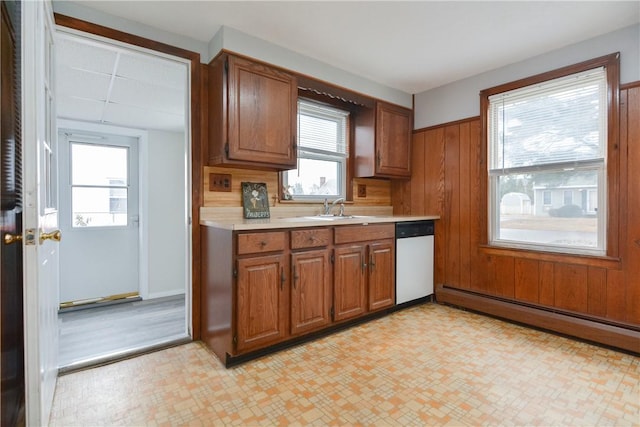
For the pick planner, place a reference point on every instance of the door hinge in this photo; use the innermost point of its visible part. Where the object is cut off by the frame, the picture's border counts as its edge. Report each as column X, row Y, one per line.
column 226, row 149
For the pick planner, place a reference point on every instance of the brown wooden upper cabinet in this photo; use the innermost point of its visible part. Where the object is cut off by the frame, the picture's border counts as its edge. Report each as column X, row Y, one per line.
column 383, row 142
column 252, row 114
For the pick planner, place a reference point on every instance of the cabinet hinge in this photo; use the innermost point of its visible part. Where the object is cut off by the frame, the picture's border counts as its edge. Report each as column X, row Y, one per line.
column 333, row 259
column 331, row 312
column 235, row 272
column 226, row 66
column 235, row 339
column 226, row 149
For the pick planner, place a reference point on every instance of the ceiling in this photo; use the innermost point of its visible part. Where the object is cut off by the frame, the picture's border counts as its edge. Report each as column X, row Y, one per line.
column 411, row 46
column 102, row 83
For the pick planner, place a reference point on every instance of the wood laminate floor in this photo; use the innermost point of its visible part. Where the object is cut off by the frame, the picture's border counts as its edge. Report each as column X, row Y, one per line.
column 95, row 335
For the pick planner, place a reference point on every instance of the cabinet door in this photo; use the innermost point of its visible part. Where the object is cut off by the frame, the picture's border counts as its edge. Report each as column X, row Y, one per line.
column 310, row 290
column 262, row 303
column 393, row 140
column 349, row 290
column 381, row 275
column 262, row 113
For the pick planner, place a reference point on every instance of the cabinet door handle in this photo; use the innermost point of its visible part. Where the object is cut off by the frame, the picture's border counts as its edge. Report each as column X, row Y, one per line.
column 295, row 277
column 372, row 263
column 364, row 266
column 282, row 278
column 262, row 244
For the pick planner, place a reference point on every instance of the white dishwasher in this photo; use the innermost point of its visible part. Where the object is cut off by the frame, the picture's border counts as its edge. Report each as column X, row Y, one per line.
column 414, row 260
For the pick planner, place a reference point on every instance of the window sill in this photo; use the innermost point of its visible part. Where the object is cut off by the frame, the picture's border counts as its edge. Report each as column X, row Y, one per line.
column 611, row 263
column 311, row 202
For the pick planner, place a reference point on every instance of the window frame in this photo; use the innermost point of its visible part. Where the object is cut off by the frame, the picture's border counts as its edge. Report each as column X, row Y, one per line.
column 611, row 63
column 344, row 173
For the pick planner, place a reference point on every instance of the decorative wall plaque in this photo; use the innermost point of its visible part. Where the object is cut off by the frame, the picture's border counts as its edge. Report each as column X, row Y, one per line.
column 255, row 200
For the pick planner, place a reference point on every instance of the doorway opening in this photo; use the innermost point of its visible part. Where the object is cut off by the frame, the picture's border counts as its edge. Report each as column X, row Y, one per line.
column 124, row 196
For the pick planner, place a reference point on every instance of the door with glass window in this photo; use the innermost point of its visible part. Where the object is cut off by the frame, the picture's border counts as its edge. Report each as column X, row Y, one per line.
column 99, row 257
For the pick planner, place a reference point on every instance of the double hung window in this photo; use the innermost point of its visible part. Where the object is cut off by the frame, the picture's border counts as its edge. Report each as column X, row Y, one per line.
column 323, row 151
column 547, row 163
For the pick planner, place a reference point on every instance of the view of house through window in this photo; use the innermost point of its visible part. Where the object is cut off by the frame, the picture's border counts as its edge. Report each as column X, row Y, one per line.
column 323, row 150
column 99, row 185
column 547, row 164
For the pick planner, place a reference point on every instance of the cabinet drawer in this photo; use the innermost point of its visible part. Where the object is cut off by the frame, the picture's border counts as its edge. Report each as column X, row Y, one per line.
column 249, row 243
column 361, row 233
column 312, row 238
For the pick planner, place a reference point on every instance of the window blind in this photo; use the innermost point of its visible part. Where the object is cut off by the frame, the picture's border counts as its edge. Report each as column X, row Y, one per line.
column 560, row 121
column 322, row 129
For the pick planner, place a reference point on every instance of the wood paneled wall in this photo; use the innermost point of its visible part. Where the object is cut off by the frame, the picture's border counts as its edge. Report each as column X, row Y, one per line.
column 447, row 165
column 378, row 190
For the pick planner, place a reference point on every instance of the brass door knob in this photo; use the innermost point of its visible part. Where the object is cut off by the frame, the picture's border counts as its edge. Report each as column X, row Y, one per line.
column 12, row 238
column 54, row 235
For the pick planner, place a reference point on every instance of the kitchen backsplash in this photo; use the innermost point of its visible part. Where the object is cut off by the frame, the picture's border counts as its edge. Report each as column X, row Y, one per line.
column 378, row 191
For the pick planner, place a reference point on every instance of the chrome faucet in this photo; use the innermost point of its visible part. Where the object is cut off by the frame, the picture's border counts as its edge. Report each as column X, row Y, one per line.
column 327, row 209
column 341, row 201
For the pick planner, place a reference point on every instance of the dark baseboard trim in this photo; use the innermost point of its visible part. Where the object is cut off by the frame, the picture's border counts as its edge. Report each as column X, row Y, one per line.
column 589, row 330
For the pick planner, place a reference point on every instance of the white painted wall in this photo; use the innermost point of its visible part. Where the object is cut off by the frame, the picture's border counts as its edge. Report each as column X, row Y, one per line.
column 460, row 100
column 79, row 11
column 164, row 209
column 236, row 41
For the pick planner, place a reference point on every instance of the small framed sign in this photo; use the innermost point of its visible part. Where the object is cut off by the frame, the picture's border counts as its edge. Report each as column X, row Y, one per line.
column 255, row 201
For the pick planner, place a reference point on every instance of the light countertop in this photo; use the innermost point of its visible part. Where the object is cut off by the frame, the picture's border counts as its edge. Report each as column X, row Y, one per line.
column 305, row 221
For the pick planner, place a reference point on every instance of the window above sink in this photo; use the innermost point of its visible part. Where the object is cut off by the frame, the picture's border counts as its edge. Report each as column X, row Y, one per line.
column 323, row 152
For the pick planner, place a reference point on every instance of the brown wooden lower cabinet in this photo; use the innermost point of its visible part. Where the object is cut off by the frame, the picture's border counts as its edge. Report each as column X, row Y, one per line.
column 262, row 301
column 362, row 281
column 350, row 274
column 364, row 270
column 381, row 267
column 310, row 291
column 262, row 288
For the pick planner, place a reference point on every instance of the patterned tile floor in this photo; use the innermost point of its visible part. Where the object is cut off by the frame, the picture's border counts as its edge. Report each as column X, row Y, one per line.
column 427, row 365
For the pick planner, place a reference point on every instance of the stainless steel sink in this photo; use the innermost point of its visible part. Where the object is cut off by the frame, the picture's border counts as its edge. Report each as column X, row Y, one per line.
column 338, row 217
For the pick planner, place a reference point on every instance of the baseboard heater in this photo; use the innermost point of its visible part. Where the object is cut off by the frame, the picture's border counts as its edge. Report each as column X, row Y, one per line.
column 589, row 330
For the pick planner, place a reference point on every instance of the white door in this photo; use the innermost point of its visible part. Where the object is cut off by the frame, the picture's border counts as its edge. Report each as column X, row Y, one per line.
column 40, row 211
column 99, row 257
